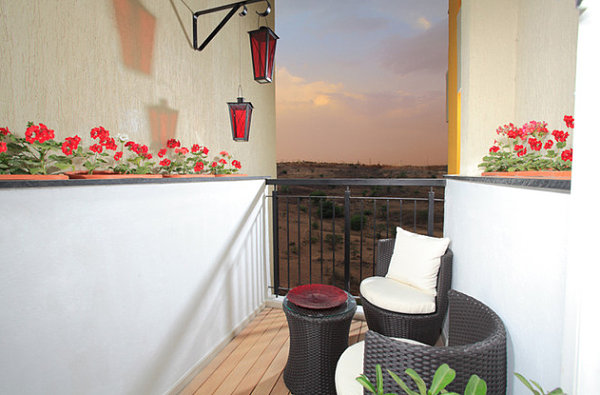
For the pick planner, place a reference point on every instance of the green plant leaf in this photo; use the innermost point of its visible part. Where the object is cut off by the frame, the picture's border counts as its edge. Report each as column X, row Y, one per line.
column 538, row 387
column 556, row 391
column 476, row 386
column 418, row 381
column 526, row 383
column 379, row 379
column 402, row 384
column 364, row 381
column 442, row 377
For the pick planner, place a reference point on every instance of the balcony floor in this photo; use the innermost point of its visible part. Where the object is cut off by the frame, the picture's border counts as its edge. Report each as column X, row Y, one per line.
column 253, row 362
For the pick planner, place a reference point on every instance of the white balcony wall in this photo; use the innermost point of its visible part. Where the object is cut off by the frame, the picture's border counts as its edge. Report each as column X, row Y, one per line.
column 125, row 289
column 510, row 252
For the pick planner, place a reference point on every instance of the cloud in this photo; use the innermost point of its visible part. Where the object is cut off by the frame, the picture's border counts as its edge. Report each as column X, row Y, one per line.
column 424, row 53
column 423, row 23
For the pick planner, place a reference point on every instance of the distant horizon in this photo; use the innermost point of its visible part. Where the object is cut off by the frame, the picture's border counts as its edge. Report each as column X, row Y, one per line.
column 363, row 82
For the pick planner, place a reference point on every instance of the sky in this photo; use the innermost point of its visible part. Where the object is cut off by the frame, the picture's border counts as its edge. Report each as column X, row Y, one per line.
column 362, row 81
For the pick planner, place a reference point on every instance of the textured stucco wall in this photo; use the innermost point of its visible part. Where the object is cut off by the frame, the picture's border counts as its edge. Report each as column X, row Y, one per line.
column 63, row 64
column 518, row 65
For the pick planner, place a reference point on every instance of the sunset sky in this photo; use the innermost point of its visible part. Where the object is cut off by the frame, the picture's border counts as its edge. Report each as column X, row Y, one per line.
column 362, row 81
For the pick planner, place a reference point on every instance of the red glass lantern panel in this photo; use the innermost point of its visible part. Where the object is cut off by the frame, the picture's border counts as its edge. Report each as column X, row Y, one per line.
column 262, row 46
column 240, row 114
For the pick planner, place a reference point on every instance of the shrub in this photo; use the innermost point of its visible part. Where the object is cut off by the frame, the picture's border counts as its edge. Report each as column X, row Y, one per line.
column 356, row 220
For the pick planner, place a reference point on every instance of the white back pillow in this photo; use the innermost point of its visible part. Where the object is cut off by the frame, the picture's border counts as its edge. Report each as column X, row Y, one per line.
column 416, row 260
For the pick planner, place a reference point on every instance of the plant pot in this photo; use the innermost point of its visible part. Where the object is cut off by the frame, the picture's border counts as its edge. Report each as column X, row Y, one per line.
column 545, row 174
column 188, row 175
column 35, row 177
column 106, row 175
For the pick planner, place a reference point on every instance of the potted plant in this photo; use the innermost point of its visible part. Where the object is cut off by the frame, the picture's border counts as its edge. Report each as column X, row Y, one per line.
column 530, row 151
column 223, row 166
column 179, row 161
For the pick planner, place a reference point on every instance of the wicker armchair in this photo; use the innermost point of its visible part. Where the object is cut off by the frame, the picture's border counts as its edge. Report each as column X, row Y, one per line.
column 476, row 345
column 425, row 328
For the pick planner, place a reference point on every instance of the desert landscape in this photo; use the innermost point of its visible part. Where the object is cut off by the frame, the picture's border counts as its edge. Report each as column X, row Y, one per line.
column 311, row 219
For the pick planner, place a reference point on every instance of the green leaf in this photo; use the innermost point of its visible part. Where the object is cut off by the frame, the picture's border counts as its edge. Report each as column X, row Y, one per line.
column 379, row 379
column 476, row 386
column 538, row 387
column 556, row 391
column 418, row 380
column 402, row 384
column 442, row 377
column 526, row 383
column 364, row 381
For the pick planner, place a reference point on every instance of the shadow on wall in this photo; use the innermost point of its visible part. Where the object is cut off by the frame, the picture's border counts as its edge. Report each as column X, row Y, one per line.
column 163, row 123
column 136, row 29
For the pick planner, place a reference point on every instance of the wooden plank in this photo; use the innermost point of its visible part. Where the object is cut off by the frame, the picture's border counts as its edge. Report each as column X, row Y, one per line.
column 223, row 354
column 363, row 330
column 355, row 328
column 270, row 377
column 245, row 365
column 280, row 388
column 230, row 363
column 256, row 372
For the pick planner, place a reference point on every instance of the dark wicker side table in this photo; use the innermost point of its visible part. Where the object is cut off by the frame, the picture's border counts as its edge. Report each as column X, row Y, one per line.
column 317, row 339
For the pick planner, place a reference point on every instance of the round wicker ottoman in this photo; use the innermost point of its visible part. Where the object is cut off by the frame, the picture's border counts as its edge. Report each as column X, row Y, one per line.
column 317, row 339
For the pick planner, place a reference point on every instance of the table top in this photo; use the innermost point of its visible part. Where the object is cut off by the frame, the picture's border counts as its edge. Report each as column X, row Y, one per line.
column 344, row 308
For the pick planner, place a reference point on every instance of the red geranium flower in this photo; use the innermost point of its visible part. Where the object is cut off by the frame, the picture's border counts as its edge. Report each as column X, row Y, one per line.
column 569, row 121
column 222, row 161
column 495, row 148
column 182, row 151
column 118, row 155
column 214, row 164
column 4, row 131
column 567, row 155
column 172, row 143
column 199, row 167
column 2, row 147
column 560, row 136
column 535, row 144
column 110, row 144
column 518, row 147
column 165, row 162
column 548, row 144
column 96, row 148
column 101, row 134
column 39, row 133
column 162, row 152
column 195, row 148
column 522, row 152
column 148, row 156
column 236, row 164
column 70, row 145
column 205, row 150
column 223, row 153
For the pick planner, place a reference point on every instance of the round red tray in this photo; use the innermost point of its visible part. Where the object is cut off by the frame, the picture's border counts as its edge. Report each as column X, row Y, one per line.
column 317, row 296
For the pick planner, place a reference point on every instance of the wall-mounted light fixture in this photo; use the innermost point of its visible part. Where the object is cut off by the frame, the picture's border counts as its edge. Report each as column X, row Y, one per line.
column 233, row 9
column 262, row 46
column 240, row 114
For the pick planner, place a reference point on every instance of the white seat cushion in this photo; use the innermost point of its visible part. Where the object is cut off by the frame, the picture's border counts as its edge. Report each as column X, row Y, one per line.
column 416, row 259
column 350, row 366
column 393, row 295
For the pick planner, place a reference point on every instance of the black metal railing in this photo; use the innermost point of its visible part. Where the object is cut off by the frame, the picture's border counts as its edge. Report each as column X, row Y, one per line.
column 313, row 218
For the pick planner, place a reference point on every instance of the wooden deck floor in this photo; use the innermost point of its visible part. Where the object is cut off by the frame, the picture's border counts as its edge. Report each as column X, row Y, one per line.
column 253, row 362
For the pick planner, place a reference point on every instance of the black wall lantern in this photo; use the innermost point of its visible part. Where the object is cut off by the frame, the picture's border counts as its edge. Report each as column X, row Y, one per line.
column 240, row 114
column 262, row 46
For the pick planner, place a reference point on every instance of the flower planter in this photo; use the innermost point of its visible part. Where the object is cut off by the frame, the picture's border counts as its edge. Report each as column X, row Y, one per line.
column 546, row 174
column 35, row 177
column 187, row 175
column 106, row 175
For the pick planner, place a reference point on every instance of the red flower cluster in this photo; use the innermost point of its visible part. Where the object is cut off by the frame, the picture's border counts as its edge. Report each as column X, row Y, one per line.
column 172, row 143
column 4, row 131
column 195, row 148
column 224, row 153
column 118, row 155
column 199, row 167
column 104, row 140
column 494, row 148
column 236, row 164
column 560, row 136
column 39, row 133
column 182, row 151
column 214, row 164
column 222, row 161
column 535, row 144
column 141, row 150
column 569, row 121
column 548, row 144
column 70, row 144
column 3, row 147
column 165, row 162
column 567, row 155
column 162, row 152
column 205, row 150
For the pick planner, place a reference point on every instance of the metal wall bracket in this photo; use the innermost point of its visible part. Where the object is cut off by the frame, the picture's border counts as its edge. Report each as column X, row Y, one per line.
column 233, row 9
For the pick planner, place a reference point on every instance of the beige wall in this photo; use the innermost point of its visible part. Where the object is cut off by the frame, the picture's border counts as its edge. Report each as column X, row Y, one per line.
column 62, row 64
column 517, row 65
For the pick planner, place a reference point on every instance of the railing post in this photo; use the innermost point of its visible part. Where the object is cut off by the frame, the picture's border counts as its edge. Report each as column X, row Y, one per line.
column 275, row 241
column 430, row 212
column 347, row 239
